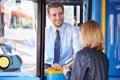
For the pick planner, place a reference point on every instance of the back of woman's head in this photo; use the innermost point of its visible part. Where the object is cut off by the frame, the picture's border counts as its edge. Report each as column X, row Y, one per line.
column 91, row 35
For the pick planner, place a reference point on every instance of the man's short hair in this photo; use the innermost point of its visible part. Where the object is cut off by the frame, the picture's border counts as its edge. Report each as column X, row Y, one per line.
column 54, row 5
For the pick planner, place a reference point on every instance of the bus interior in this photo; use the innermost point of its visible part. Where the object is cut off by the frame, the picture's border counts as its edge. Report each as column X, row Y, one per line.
column 22, row 34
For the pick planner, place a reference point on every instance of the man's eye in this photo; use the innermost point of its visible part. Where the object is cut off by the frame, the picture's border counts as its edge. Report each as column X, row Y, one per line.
column 61, row 13
column 54, row 15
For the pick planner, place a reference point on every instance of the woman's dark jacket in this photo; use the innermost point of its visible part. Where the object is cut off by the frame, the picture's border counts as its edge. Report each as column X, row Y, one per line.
column 90, row 64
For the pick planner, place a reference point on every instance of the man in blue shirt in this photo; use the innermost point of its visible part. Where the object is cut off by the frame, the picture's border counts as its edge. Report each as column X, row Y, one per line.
column 69, row 36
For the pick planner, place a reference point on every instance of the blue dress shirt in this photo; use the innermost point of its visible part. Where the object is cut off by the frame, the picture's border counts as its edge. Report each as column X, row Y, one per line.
column 70, row 42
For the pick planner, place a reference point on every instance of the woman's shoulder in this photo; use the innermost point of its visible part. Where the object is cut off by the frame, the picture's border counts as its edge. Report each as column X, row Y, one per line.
column 83, row 52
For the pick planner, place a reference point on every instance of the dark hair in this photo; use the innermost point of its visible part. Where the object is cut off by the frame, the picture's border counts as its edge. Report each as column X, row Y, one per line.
column 54, row 5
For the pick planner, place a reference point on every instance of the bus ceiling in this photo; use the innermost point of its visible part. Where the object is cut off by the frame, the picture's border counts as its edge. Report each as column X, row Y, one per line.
column 69, row 2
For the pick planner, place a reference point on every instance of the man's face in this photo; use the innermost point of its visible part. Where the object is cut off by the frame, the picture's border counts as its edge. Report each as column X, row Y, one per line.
column 56, row 15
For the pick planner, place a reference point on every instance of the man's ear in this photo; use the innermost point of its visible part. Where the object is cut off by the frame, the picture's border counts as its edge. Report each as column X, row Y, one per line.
column 49, row 16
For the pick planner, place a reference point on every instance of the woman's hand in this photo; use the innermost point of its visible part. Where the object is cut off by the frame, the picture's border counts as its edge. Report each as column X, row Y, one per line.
column 65, row 69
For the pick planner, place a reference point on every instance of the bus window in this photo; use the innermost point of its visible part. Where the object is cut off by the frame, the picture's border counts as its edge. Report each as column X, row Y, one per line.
column 20, row 28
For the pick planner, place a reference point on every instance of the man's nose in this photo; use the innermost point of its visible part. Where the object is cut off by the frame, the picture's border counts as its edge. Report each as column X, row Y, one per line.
column 58, row 16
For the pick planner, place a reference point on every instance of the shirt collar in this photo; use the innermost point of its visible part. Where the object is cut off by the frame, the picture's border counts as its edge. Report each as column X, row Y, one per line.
column 61, row 29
